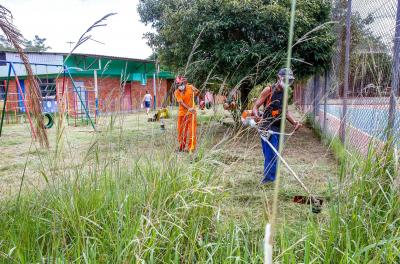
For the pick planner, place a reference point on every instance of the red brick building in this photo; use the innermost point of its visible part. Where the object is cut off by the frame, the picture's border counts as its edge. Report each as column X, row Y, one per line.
column 90, row 84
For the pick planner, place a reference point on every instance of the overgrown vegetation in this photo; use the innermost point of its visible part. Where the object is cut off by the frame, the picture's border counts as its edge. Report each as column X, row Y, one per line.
column 122, row 205
column 237, row 43
column 129, row 198
column 362, row 226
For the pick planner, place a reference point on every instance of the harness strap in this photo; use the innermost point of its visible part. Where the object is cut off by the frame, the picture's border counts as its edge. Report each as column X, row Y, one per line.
column 268, row 102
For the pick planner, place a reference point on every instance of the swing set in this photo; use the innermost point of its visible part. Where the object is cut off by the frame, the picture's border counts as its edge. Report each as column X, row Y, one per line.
column 76, row 100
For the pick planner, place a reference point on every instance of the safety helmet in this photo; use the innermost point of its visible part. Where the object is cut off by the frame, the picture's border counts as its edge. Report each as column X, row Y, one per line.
column 286, row 72
column 180, row 79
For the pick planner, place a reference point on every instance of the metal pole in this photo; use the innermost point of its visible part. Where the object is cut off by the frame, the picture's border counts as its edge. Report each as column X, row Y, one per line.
column 80, row 99
column 325, row 100
column 346, row 73
column 158, row 85
column 395, row 75
column 96, row 95
column 154, row 91
column 3, row 114
column 316, row 96
column 31, row 63
column 337, row 16
column 23, row 101
column 65, row 85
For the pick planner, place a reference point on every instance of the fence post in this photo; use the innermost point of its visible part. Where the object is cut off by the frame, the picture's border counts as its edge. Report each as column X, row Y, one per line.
column 325, row 100
column 395, row 76
column 316, row 96
column 346, row 73
column 154, row 91
column 339, row 45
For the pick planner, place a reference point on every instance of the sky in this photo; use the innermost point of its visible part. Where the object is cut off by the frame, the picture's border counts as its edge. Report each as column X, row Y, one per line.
column 384, row 13
column 61, row 21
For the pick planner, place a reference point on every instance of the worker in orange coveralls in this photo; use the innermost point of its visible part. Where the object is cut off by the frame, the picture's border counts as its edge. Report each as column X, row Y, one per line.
column 187, row 114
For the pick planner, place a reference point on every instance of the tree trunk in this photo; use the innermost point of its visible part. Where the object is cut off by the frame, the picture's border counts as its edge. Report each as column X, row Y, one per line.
column 245, row 90
column 242, row 101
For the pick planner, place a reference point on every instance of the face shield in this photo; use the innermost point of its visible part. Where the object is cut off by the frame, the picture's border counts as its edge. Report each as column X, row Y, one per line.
column 181, row 86
column 180, row 82
column 282, row 82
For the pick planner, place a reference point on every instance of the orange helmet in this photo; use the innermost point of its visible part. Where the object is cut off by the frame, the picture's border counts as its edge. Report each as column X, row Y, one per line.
column 180, row 79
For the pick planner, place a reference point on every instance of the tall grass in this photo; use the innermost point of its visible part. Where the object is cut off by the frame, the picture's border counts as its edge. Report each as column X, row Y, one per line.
column 152, row 208
column 363, row 226
column 364, row 215
column 155, row 211
column 162, row 208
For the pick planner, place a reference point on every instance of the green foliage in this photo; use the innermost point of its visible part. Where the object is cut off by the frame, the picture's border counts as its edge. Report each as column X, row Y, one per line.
column 371, row 61
column 37, row 44
column 363, row 220
column 363, row 214
column 241, row 42
column 370, row 56
column 4, row 44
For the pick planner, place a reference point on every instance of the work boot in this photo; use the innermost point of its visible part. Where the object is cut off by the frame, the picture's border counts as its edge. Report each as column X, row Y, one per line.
column 266, row 182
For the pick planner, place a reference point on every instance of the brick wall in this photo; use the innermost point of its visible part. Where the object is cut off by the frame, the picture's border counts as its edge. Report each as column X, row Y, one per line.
column 12, row 98
column 74, row 106
column 13, row 108
column 138, row 91
column 112, row 97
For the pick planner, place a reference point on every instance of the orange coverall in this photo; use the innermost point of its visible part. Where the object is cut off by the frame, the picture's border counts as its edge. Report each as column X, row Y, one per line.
column 186, row 120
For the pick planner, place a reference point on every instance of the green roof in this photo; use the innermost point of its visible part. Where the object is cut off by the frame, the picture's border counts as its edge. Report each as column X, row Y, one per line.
column 132, row 69
column 82, row 65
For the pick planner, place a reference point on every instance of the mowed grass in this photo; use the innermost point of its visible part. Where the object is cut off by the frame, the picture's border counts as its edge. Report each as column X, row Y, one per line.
column 123, row 195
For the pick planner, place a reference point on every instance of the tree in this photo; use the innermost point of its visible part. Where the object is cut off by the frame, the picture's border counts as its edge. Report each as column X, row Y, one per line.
column 371, row 60
column 5, row 45
column 370, row 55
column 37, row 44
column 239, row 43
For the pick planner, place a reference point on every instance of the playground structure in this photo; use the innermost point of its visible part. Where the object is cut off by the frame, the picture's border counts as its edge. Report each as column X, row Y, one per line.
column 80, row 86
column 71, row 100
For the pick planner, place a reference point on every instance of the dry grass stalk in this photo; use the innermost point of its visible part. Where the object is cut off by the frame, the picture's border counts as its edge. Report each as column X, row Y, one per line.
column 16, row 39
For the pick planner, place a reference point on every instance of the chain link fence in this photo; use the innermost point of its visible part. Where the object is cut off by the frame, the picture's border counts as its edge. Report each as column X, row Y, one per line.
column 355, row 99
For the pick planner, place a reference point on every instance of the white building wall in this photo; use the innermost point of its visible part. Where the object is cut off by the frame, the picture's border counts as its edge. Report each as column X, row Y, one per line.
column 41, row 58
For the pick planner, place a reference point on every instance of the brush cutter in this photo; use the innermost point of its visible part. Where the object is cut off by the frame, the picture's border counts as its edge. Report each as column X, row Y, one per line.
column 316, row 202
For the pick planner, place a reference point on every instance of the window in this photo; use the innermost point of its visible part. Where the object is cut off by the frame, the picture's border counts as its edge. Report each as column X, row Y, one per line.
column 3, row 58
column 47, row 88
column 2, row 90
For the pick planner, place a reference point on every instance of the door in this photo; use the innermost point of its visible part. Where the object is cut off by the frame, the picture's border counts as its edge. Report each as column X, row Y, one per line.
column 126, row 100
column 81, row 103
column 21, row 96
